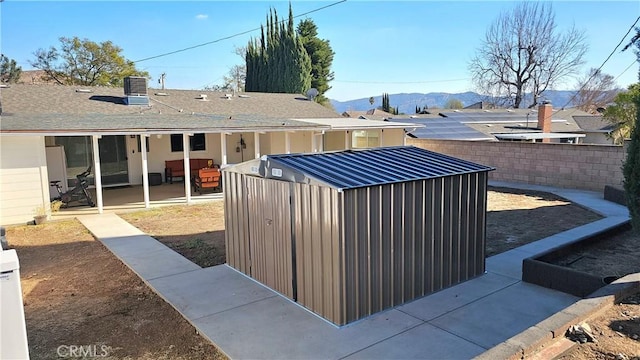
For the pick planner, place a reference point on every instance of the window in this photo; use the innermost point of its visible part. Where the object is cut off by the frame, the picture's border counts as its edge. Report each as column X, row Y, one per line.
column 196, row 142
column 362, row 139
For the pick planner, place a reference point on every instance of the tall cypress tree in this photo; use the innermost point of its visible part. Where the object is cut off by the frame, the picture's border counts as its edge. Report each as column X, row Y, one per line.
column 321, row 56
column 278, row 62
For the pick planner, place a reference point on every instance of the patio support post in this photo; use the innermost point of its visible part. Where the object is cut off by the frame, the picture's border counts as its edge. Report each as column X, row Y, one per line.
column 223, row 148
column 145, row 170
column 313, row 142
column 256, row 142
column 187, row 167
column 347, row 140
column 97, row 172
column 287, row 143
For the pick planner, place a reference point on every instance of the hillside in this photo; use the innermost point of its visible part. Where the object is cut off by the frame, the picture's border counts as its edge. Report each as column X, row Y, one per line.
column 408, row 102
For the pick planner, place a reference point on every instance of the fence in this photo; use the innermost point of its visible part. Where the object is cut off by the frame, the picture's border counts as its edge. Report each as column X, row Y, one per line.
column 579, row 166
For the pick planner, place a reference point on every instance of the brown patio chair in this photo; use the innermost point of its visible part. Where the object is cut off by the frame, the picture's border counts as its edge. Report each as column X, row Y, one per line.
column 207, row 178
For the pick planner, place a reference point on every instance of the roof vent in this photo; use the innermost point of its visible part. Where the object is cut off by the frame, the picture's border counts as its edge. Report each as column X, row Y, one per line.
column 83, row 90
column 161, row 94
column 243, row 96
column 228, row 96
column 4, row 86
column 202, row 97
column 135, row 86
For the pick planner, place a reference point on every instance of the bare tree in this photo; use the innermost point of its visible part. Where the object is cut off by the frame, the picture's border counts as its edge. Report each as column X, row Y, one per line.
column 522, row 51
column 596, row 90
column 237, row 75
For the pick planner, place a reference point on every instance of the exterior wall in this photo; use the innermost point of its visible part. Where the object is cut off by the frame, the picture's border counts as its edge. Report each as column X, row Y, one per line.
column 580, row 166
column 333, row 140
column 301, row 141
column 392, row 137
column 24, row 183
column 276, row 139
column 160, row 150
column 596, row 138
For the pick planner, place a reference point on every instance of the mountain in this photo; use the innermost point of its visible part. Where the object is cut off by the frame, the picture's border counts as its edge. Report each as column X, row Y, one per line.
column 408, row 102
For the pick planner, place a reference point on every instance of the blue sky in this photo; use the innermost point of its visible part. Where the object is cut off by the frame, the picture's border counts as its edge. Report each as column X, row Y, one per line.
column 380, row 46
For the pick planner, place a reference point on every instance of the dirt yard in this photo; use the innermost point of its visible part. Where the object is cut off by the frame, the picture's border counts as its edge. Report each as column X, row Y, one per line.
column 617, row 332
column 514, row 218
column 617, row 256
column 76, row 293
column 517, row 217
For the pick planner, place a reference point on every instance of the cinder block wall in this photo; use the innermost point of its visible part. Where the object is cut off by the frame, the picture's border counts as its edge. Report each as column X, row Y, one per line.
column 580, row 166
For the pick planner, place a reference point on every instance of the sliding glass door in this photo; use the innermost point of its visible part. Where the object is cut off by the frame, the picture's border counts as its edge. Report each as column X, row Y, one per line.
column 113, row 158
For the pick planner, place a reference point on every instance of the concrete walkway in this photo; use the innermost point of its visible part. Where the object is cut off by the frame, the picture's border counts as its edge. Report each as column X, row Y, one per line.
column 247, row 320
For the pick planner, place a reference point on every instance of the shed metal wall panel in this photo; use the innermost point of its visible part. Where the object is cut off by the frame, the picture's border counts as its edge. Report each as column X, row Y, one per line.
column 318, row 249
column 406, row 240
column 236, row 222
column 269, row 221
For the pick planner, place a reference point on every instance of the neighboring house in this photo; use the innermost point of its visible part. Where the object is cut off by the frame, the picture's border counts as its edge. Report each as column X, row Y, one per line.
column 34, row 77
column 597, row 130
column 38, row 121
column 533, row 125
column 372, row 114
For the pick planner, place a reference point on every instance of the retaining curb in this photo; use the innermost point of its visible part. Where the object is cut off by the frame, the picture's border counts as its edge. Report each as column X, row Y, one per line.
column 547, row 336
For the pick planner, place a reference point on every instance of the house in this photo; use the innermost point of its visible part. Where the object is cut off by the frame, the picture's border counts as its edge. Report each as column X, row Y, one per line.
column 126, row 134
column 534, row 125
column 371, row 114
column 596, row 129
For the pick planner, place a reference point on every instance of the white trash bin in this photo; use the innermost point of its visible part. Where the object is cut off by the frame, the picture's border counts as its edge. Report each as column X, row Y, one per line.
column 13, row 331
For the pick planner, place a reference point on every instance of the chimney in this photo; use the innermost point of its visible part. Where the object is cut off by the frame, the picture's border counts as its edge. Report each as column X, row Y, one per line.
column 544, row 118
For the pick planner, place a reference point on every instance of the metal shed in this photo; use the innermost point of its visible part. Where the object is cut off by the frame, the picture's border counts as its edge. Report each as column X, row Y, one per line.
column 350, row 233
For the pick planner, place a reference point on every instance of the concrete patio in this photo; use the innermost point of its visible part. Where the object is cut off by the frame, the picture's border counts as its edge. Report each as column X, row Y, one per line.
column 131, row 198
column 247, row 320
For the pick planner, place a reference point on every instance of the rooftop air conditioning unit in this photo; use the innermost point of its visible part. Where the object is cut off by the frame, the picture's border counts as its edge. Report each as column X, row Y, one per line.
column 135, row 86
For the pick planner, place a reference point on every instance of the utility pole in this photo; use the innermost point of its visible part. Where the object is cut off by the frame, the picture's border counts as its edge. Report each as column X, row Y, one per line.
column 161, row 80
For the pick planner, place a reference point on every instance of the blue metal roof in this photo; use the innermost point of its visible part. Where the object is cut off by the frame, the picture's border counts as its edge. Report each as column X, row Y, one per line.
column 361, row 168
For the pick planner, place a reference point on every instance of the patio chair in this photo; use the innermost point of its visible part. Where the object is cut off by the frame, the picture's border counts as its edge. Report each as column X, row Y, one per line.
column 207, row 178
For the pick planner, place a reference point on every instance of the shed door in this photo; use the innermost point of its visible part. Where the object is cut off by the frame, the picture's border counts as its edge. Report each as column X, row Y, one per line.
column 270, row 246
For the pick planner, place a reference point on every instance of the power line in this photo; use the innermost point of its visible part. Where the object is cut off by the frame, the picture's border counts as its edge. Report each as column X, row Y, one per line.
column 235, row 35
column 399, row 82
column 625, row 70
column 601, row 66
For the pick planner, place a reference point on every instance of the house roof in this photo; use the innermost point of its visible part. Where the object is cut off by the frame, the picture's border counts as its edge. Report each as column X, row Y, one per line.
column 359, row 124
column 593, row 123
column 479, row 124
column 371, row 114
column 47, row 109
column 351, row 169
column 141, row 123
column 47, row 98
column 442, row 128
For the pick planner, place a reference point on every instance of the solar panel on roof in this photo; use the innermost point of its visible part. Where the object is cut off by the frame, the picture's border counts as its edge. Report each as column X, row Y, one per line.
column 445, row 129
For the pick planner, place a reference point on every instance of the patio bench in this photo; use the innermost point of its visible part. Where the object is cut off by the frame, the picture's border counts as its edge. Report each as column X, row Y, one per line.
column 175, row 168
